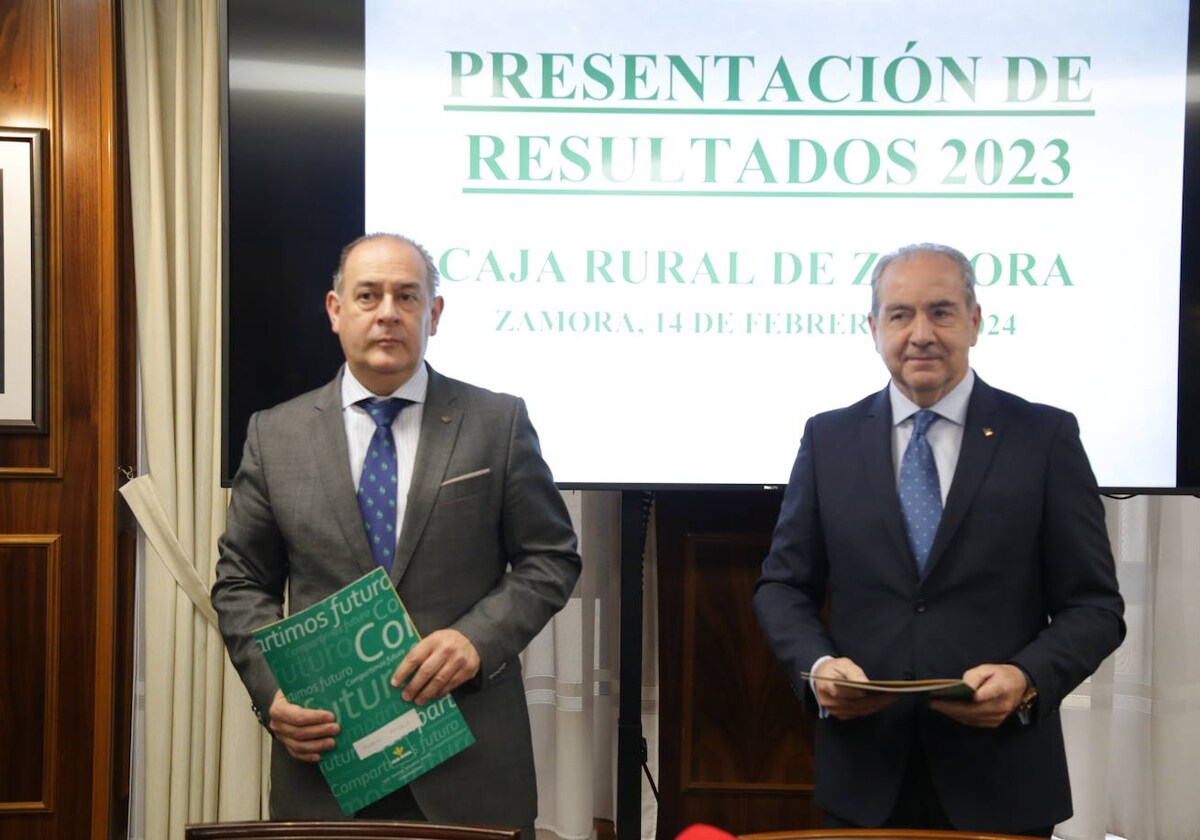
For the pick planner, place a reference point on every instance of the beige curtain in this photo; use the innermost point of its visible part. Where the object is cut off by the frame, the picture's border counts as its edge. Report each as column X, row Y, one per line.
column 1133, row 730
column 200, row 747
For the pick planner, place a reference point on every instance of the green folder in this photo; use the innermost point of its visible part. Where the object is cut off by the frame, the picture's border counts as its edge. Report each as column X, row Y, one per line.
column 339, row 655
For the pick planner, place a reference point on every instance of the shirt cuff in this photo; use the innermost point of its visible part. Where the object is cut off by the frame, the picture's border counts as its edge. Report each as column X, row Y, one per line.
column 822, row 712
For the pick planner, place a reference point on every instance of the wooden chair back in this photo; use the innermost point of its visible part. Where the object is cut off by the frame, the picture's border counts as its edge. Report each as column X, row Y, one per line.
column 875, row 834
column 345, row 830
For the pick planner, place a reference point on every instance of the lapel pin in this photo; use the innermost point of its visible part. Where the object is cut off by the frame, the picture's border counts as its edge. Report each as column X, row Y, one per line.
column 446, row 418
column 987, row 431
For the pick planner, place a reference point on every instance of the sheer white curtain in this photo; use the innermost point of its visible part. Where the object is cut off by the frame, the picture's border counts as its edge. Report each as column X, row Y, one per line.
column 571, row 681
column 1133, row 729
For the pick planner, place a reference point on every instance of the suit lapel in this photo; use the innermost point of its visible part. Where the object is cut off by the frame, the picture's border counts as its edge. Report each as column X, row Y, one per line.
column 440, row 422
column 982, row 433
column 875, row 437
column 328, row 440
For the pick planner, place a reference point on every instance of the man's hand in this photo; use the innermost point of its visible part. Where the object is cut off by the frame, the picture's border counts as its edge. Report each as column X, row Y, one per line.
column 440, row 663
column 846, row 703
column 306, row 733
column 998, row 692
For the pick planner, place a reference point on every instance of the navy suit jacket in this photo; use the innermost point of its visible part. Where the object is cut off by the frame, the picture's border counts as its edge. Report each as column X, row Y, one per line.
column 1021, row 571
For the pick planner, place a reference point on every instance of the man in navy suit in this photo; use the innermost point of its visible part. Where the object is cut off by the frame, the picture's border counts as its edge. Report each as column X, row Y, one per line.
column 1002, row 575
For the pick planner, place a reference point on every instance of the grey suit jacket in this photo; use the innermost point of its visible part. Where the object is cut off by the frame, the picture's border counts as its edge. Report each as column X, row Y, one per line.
column 1020, row 571
column 486, row 547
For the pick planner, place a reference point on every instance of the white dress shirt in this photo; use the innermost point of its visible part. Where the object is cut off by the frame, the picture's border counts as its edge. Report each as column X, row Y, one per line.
column 944, row 436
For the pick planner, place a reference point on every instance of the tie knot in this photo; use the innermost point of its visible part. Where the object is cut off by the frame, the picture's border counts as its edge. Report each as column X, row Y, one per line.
column 922, row 420
column 383, row 412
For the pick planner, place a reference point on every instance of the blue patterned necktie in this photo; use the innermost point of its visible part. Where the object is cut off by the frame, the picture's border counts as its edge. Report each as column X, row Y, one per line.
column 920, row 493
column 377, row 486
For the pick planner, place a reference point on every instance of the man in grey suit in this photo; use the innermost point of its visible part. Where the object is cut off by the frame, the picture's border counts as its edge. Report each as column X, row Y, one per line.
column 485, row 553
column 954, row 530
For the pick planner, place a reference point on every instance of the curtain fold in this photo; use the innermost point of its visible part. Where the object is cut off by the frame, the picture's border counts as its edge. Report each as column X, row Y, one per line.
column 571, row 682
column 201, row 744
column 1133, row 729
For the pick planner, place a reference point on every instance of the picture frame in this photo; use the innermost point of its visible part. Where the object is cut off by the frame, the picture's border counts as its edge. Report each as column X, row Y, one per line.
column 23, row 350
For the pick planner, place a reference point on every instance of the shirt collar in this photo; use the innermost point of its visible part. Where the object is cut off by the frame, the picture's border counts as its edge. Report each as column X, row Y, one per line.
column 414, row 389
column 951, row 407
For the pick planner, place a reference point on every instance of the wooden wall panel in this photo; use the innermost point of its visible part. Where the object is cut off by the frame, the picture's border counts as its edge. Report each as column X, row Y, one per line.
column 58, row 72
column 24, row 73
column 28, row 662
column 744, row 730
column 735, row 748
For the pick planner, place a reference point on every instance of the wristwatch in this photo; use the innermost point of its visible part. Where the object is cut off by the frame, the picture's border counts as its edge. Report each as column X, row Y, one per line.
column 1027, row 700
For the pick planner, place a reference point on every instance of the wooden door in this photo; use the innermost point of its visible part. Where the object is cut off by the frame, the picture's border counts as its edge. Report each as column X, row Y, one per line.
column 735, row 748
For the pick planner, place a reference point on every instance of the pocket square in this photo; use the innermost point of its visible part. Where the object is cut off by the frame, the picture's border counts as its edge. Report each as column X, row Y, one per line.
column 465, row 476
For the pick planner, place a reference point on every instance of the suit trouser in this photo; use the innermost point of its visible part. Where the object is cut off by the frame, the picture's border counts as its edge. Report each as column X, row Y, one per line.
column 918, row 804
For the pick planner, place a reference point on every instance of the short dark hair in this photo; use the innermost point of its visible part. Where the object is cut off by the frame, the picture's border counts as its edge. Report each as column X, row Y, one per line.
column 431, row 273
column 965, row 269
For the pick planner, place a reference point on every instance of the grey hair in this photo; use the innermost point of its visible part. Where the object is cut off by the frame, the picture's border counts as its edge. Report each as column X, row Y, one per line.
column 431, row 273
column 965, row 270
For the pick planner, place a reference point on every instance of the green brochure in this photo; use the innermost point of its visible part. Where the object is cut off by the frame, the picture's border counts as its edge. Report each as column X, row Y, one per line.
column 339, row 654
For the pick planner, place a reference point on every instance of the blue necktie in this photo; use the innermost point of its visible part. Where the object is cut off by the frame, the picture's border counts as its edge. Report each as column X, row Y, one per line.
column 377, row 486
column 920, row 493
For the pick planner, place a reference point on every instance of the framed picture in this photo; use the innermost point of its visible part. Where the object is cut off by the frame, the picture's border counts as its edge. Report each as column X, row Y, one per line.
column 23, row 384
